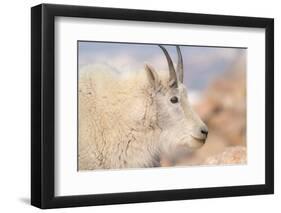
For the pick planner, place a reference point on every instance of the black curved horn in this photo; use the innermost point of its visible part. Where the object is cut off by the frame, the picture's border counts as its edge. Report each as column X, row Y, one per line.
column 172, row 72
column 180, row 65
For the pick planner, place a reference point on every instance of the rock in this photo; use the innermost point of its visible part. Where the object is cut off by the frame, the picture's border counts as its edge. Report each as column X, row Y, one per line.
column 231, row 155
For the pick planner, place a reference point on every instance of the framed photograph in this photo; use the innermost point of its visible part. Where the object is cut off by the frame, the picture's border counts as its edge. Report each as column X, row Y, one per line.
column 139, row 106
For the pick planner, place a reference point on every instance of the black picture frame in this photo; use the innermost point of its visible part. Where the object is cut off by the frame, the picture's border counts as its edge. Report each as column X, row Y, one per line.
column 43, row 105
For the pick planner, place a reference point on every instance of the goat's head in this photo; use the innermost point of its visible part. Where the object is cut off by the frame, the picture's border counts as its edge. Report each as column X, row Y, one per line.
column 180, row 125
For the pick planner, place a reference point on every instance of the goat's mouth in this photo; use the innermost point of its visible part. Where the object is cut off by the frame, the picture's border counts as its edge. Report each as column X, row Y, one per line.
column 193, row 143
column 201, row 140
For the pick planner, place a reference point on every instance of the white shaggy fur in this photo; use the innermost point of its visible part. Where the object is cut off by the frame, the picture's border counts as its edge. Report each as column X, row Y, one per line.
column 126, row 120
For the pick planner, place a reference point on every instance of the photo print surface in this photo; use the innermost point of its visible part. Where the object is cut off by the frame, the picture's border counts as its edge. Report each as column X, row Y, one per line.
column 152, row 105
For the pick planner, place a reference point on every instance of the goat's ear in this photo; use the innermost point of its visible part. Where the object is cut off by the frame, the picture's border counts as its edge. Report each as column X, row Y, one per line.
column 152, row 76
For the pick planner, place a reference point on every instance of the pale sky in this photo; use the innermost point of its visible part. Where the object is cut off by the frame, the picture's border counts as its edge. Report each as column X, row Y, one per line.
column 201, row 64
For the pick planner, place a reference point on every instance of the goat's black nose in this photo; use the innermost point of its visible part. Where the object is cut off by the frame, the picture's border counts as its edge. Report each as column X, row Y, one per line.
column 204, row 131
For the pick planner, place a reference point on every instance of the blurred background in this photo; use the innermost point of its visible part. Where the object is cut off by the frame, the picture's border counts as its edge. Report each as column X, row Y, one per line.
column 216, row 82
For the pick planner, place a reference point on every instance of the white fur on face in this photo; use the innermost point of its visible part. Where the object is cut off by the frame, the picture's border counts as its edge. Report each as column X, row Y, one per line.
column 180, row 125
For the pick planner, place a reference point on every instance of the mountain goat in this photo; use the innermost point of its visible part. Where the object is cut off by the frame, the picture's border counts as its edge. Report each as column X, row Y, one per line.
column 126, row 121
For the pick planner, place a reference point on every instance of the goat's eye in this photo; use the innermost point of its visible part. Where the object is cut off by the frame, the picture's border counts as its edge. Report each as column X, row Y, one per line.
column 174, row 99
